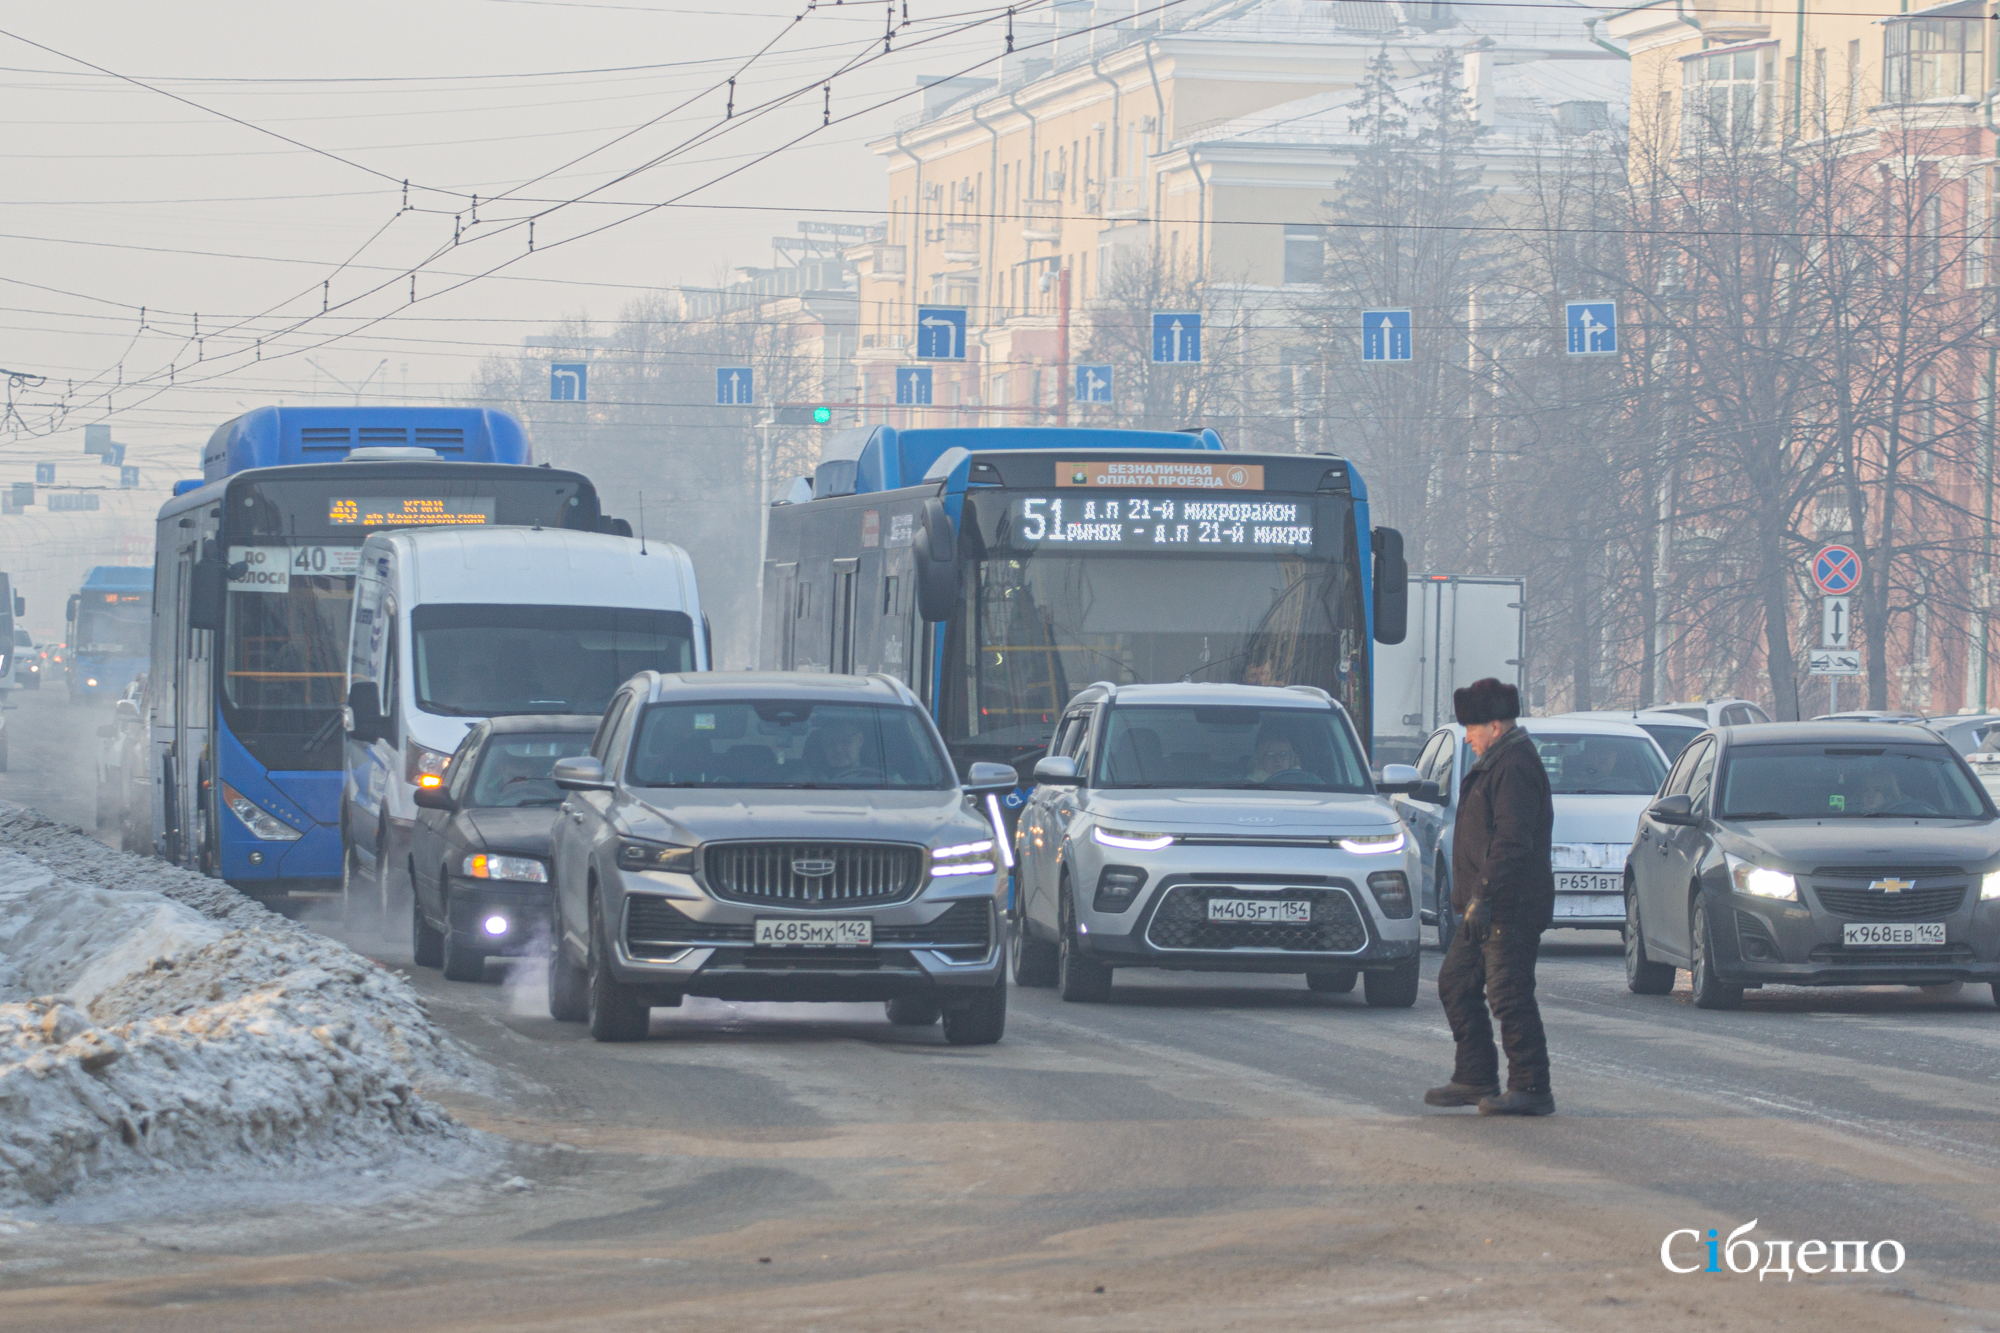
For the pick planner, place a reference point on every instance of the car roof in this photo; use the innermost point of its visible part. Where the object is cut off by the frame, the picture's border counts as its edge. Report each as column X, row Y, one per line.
column 1192, row 694
column 505, row 726
column 1864, row 733
column 817, row 686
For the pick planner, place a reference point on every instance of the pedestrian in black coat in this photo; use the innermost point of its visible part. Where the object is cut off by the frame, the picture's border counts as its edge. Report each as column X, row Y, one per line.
column 1503, row 885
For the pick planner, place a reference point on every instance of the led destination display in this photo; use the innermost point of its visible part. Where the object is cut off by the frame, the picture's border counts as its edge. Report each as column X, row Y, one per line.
column 1160, row 522
column 408, row 511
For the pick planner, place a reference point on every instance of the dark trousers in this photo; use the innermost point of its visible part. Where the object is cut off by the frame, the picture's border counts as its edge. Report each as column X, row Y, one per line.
column 1498, row 971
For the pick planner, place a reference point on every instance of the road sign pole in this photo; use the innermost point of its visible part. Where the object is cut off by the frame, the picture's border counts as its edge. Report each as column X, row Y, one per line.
column 1062, row 347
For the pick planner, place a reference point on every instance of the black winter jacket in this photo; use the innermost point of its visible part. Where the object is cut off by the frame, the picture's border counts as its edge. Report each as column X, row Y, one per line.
column 1500, row 844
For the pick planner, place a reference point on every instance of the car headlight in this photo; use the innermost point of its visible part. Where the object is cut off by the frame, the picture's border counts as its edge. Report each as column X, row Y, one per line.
column 1373, row 844
column 964, row 858
column 1761, row 881
column 526, row 868
column 263, row 825
column 1129, row 841
column 425, row 768
column 1989, row 888
column 638, row 854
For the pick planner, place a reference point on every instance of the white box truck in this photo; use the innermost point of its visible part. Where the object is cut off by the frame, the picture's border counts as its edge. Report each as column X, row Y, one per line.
column 1462, row 628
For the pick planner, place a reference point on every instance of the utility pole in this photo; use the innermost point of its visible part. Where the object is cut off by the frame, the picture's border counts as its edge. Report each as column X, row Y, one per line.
column 1062, row 346
column 763, row 519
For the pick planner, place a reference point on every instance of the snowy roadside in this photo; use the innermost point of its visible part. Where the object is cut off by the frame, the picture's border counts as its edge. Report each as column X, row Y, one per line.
column 156, row 1025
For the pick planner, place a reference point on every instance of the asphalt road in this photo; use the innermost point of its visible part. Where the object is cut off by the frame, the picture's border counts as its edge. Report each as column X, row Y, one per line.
column 1199, row 1153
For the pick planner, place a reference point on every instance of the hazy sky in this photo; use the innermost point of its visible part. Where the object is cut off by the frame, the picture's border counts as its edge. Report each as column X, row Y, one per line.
column 120, row 197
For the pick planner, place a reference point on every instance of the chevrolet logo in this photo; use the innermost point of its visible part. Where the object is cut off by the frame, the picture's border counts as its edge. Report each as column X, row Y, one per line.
column 1893, row 885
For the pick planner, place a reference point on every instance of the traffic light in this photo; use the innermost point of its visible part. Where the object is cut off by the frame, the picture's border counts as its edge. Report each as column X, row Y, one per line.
column 817, row 415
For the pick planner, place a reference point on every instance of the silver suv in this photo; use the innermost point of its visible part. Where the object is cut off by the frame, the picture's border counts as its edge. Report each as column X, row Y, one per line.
column 1212, row 827
column 774, row 836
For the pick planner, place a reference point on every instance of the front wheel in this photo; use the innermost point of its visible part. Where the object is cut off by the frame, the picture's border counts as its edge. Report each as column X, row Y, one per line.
column 1710, row 992
column 569, row 985
column 616, row 1011
column 1079, row 979
column 1643, row 976
column 460, row 963
column 426, row 940
column 1447, row 924
column 1035, row 961
column 1394, row 989
column 981, row 1022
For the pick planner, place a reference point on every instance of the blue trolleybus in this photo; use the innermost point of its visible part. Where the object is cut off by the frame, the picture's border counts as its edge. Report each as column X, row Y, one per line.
column 999, row 571
column 109, row 626
column 255, row 570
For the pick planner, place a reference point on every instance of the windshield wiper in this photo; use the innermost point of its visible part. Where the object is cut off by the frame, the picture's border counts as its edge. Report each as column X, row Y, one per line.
column 1757, row 814
column 325, row 732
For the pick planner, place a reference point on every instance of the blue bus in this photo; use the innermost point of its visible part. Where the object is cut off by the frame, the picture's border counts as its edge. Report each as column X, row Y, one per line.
column 108, row 624
column 999, row 571
column 256, row 565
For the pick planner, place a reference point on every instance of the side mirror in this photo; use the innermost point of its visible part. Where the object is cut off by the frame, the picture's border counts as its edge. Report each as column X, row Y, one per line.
column 1397, row 779
column 20, row 605
column 936, row 550
column 1392, row 586
column 364, row 711
column 986, row 777
column 1675, row 809
column 580, row 772
column 434, row 798
column 1057, row 771
column 208, row 592
column 126, row 710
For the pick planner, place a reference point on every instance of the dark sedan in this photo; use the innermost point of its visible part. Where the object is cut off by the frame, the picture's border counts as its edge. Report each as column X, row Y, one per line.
column 479, row 855
column 1814, row 854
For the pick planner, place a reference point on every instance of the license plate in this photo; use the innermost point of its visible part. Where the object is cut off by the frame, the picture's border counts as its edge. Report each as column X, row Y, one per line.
column 814, row 934
column 1867, row 934
column 1575, row 881
column 1260, row 911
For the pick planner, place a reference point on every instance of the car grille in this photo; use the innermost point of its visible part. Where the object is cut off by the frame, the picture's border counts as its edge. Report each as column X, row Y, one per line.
column 1909, row 905
column 654, row 925
column 1181, row 922
column 1950, row 956
column 767, row 874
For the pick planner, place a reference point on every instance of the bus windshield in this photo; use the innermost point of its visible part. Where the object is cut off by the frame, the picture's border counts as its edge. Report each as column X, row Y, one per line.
column 287, row 650
column 1037, row 625
column 121, row 630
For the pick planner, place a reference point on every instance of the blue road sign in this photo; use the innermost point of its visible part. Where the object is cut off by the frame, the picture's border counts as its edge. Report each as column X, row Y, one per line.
column 128, row 477
column 913, row 386
column 1593, row 328
column 1093, row 384
column 940, row 333
column 569, row 382
column 735, row 386
column 1837, row 570
column 1176, row 336
column 45, row 474
column 113, row 455
column 1385, row 335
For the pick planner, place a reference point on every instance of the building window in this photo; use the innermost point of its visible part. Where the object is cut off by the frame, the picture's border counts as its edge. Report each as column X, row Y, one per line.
column 1305, row 253
column 1927, row 58
column 1727, row 96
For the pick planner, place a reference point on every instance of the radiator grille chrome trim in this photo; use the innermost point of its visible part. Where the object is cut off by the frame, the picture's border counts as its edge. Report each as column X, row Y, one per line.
column 862, row 874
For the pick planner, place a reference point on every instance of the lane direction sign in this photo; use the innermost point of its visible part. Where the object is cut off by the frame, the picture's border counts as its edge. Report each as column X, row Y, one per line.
column 1385, row 335
column 1176, row 336
column 940, row 333
column 1592, row 327
column 1837, row 570
column 1834, row 662
column 913, row 386
column 1836, row 624
column 735, row 386
column 569, row 382
column 1093, row 384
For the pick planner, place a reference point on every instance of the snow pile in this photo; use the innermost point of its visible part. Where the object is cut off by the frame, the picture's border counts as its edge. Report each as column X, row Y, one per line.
column 155, row 1021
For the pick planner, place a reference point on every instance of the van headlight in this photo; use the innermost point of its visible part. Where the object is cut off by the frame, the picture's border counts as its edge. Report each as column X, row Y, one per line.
column 263, row 825
column 963, row 858
column 1126, row 840
column 425, row 768
column 524, row 868
column 1760, row 881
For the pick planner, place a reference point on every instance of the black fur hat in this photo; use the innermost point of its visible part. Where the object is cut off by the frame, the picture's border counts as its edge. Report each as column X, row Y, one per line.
column 1485, row 701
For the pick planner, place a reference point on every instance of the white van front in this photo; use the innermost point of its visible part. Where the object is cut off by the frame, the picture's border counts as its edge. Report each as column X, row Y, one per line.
column 452, row 627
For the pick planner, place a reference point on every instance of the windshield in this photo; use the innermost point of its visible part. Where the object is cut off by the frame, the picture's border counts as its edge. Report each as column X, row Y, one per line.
column 1848, row 782
column 493, row 661
column 1043, row 620
column 1230, row 747
column 288, row 649
column 1587, row 765
column 514, row 768
column 787, row 743
column 1672, row 739
column 124, row 630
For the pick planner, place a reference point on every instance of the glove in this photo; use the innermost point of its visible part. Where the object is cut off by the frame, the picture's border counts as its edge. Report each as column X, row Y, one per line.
column 1478, row 918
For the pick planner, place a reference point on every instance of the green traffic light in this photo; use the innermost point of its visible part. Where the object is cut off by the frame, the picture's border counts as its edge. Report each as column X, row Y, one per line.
column 822, row 415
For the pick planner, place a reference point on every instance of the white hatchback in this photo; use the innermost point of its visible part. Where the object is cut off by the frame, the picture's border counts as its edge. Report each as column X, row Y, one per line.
column 1602, row 775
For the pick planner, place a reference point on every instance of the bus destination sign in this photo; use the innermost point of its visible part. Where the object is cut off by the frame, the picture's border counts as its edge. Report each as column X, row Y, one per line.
column 1175, row 474
column 408, row 511
column 1160, row 522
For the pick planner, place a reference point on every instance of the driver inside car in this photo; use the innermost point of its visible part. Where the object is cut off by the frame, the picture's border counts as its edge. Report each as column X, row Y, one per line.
column 834, row 754
column 1275, row 755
